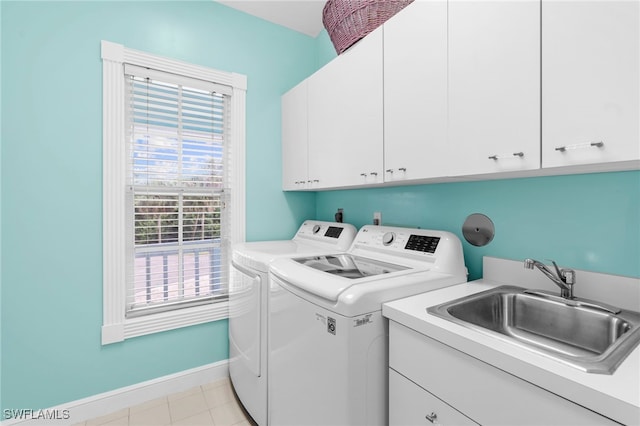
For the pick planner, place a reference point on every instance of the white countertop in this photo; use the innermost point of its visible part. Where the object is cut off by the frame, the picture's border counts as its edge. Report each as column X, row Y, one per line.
column 616, row 396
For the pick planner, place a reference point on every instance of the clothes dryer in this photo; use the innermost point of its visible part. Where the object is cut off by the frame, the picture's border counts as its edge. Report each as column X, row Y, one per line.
column 248, row 304
column 328, row 339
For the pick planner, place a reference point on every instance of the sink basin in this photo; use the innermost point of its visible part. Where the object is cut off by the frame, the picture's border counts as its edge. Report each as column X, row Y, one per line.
column 593, row 337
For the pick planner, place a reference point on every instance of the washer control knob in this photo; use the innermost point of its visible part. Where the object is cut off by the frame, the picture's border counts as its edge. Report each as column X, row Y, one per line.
column 388, row 238
column 316, row 229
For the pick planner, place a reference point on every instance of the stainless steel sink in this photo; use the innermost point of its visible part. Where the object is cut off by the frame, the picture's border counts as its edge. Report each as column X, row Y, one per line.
column 587, row 335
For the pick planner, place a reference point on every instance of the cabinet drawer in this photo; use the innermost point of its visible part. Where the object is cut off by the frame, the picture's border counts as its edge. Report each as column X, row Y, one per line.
column 409, row 404
column 482, row 392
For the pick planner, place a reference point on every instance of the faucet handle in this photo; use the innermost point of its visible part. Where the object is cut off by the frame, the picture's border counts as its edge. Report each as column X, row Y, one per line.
column 555, row 265
column 568, row 276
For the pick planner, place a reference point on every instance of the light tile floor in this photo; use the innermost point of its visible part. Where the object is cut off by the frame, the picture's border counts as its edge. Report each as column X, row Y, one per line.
column 213, row 404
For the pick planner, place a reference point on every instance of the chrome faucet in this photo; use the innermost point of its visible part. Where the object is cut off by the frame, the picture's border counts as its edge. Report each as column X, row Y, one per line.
column 563, row 278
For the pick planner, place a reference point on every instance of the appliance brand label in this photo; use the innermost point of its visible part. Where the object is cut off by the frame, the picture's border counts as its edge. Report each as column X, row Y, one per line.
column 364, row 320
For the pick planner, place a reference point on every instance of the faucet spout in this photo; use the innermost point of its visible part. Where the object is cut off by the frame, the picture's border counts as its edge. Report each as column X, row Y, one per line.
column 563, row 278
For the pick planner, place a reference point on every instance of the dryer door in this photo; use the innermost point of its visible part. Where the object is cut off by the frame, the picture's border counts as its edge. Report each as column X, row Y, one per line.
column 244, row 318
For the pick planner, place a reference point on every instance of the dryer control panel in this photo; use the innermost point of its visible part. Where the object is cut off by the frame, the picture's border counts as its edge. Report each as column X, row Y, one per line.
column 334, row 234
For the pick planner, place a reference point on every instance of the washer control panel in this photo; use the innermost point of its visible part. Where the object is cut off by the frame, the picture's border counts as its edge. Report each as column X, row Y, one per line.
column 395, row 239
column 422, row 243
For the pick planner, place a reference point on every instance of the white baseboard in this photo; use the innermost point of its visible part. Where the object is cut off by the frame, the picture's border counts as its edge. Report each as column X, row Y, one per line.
column 108, row 402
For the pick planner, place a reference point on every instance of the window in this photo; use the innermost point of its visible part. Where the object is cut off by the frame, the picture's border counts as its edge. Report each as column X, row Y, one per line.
column 173, row 191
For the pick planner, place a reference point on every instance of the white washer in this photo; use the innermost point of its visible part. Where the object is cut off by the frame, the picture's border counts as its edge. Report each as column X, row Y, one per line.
column 328, row 340
column 248, row 304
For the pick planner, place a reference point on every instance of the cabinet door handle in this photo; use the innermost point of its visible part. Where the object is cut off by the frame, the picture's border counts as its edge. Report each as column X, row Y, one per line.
column 402, row 169
column 316, row 180
column 389, row 170
column 496, row 157
column 431, row 417
column 580, row 146
column 363, row 174
column 374, row 173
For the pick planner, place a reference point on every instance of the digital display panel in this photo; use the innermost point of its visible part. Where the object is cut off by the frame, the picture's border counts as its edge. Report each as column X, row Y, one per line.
column 333, row 232
column 422, row 243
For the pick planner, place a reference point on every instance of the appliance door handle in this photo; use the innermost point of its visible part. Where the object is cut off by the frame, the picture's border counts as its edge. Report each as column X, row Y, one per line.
column 245, row 271
column 245, row 313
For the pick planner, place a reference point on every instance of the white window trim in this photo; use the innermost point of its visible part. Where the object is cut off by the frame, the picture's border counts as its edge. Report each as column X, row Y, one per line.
column 115, row 327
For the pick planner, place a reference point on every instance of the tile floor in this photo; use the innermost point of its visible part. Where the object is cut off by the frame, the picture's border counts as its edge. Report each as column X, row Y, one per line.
column 213, row 404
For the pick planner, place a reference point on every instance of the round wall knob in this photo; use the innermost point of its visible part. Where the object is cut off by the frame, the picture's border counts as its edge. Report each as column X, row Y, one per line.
column 388, row 238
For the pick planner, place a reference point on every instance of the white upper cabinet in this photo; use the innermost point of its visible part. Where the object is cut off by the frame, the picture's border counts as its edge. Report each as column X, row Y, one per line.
column 415, row 92
column 346, row 117
column 590, row 82
column 494, row 86
column 294, row 138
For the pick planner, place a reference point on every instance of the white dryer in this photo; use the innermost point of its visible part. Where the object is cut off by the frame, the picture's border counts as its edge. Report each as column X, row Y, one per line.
column 328, row 340
column 248, row 304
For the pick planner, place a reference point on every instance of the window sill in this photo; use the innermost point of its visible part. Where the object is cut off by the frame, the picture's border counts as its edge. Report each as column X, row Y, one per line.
column 164, row 321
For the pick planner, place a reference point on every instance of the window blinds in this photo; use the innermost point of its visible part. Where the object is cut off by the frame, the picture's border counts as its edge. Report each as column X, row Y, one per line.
column 177, row 186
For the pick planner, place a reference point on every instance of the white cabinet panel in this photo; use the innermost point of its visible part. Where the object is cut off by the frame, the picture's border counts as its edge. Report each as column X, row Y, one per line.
column 494, row 86
column 345, row 117
column 415, row 92
column 478, row 390
column 409, row 404
column 590, row 82
column 294, row 138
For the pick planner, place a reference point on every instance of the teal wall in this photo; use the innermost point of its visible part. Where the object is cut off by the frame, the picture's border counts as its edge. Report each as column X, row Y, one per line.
column 589, row 221
column 51, row 182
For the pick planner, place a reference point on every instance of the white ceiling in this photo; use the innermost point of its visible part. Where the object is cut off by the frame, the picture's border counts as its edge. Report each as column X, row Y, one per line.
column 304, row 16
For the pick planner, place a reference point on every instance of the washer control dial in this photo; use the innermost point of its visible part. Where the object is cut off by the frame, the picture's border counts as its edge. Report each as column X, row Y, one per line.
column 388, row 238
column 316, row 229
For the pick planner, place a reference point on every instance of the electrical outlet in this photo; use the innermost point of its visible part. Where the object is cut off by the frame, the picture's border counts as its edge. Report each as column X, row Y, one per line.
column 377, row 218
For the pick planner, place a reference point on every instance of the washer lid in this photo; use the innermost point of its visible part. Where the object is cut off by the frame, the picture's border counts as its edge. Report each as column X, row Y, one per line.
column 257, row 255
column 349, row 266
column 328, row 276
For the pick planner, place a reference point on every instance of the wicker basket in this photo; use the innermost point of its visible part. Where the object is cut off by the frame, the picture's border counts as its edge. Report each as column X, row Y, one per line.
column 347, row 21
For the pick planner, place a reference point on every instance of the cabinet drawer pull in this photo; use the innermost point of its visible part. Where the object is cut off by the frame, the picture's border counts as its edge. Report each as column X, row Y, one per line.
column 580, row 146
column 496, row 157
column 431, row 417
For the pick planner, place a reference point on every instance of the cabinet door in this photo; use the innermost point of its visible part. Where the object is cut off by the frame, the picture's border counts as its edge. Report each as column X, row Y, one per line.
column 494, row 86
column 415, row 92
column 486, row 394
column 294, row 138
column 409, row 404
column 345, row 117
column 590, row 82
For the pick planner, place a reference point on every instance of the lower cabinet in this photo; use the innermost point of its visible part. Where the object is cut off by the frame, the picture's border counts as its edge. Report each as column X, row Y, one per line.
column 411, row 405
column 431, row 383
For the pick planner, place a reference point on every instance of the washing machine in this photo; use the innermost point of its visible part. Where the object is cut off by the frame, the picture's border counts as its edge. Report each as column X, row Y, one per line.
column 248, row 304
column 328, row 357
